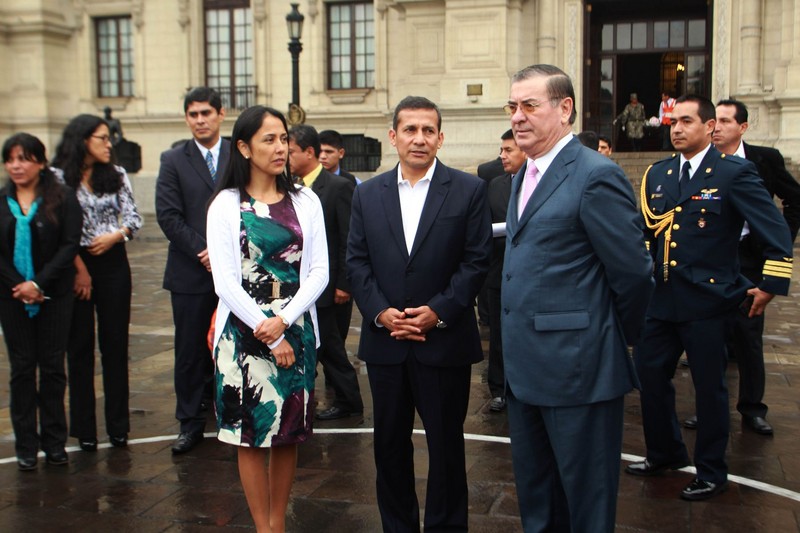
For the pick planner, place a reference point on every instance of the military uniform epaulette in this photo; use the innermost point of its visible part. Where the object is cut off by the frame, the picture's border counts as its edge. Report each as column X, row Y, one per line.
column 733, row 160
column 666, row 160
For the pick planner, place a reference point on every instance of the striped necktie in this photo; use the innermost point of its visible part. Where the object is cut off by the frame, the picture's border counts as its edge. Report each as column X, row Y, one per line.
column 210, row 165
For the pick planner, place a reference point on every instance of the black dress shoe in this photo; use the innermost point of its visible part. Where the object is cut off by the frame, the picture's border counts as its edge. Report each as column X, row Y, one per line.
column 702, row 490
column 691, row 422
column 57, row 458
column 497, row 404
column 757, row 424
column 646, row 468
column 334, row 413
column 120, row 441
column 186, row 441
column 88, row 445
column 26, row 463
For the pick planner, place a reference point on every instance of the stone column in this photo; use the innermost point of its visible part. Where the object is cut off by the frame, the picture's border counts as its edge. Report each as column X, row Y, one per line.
column 546, row 41
column 750, row 27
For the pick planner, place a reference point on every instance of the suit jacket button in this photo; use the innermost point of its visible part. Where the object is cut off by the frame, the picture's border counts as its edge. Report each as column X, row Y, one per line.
column 508, row 277
column 506, row 311
column 673, row 263
column 712, row 280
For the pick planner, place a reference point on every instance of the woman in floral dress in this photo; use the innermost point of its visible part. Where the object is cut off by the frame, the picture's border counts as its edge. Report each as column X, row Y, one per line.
column 266, row 243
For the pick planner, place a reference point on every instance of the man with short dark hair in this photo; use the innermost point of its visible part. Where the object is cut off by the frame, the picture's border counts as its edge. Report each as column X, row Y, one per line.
column 185, row 183
column 417, row 254
column 331, row 146
column 694, row 206
column 499, row 193
column 745, row 342
column 336, row 195
column 604, row 145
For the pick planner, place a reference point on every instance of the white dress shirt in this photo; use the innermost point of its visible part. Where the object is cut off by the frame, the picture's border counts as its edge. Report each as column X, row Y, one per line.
column 214, row 152
column 412, row 200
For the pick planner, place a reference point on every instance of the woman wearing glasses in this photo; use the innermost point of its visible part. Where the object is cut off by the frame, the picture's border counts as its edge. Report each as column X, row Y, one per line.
column 103, row 279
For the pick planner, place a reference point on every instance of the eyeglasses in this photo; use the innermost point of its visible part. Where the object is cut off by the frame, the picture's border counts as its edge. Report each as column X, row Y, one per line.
column 103, row 138
column 528, row 106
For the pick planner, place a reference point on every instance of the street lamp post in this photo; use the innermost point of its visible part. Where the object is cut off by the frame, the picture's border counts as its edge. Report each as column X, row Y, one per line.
column 294, row 23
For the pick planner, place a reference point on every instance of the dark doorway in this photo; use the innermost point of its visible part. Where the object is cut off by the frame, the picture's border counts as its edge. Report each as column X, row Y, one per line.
column 640, row 74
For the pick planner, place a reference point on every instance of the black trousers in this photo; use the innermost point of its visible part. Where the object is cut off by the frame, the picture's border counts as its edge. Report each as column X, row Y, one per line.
column 111, row 301
column 194, row 368
column 339, row 373
column 656, row 357
column 441, row 396
column 745, row 343
column 344, row 312
column 37, row 344
column 495, row 375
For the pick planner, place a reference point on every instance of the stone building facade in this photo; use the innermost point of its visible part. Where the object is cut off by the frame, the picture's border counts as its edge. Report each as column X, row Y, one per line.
column 64, row 57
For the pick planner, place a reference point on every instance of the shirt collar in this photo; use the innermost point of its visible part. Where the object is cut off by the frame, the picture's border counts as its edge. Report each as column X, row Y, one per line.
column 428, row 174
column 543, row 163
column 214, row 149
column 740, row 151
column 311, row 177
column 696, row 160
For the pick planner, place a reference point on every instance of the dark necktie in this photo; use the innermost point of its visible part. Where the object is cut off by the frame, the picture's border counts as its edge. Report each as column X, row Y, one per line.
column 683, row 179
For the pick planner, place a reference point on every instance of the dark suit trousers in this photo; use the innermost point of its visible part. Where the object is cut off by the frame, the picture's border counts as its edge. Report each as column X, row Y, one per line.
column 495, row 375
column 344, row 312
column 37, row 344
column 566, row 464
column 194, row 368
column 656, row 357
column 441, row 396
column 111, row 299
column 745, row 343
column 339, row 373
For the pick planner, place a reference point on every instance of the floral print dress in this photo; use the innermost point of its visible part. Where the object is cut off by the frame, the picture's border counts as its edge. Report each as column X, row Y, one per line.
column 259, row 404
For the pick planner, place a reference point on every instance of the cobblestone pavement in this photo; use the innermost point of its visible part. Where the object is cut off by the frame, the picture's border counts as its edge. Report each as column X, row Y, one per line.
column 143, row 488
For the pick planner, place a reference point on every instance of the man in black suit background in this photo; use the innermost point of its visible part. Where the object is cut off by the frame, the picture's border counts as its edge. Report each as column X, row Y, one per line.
column 419, row 246
column 331, row 153
column 744, row 340
column 336, row 195
column 185, row 183
column 499, row 193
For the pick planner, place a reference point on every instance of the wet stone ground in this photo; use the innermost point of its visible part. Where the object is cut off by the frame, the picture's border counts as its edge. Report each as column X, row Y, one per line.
column 144, row 489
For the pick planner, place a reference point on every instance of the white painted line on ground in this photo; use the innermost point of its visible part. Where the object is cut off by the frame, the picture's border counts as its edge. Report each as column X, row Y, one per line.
column 752, row 483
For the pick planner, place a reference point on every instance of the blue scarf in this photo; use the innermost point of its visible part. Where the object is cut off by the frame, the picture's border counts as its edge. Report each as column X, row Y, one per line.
column 23, row 257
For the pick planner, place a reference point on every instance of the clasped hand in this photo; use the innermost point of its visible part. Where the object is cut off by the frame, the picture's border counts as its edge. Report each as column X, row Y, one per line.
column 27, row 293
column 412, row 323
column 270, row 330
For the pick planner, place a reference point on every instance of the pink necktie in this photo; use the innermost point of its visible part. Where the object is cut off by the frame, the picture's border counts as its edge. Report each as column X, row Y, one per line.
column 529, row 184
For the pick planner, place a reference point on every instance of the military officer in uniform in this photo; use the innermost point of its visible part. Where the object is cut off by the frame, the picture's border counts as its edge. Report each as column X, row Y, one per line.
column 694, row 207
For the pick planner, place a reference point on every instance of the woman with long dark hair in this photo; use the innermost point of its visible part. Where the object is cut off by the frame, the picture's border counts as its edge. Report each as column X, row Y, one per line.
column 269, row 260
column 40, row 227
column 103, row 279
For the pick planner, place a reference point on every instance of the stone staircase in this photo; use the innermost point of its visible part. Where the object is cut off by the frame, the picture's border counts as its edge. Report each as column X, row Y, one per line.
column 635, row 163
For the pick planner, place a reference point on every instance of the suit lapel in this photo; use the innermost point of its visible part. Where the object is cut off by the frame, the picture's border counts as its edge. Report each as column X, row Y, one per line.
column 198, row 163
column 224, row 155
column 556, row 173
column 391, row 207
column 440, row 184
column 512, row 216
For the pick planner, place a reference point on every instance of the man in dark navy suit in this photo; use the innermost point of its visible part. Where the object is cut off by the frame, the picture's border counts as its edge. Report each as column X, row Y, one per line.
column 418, row 251
column 745, row 343
column 576, row 282
column 185, row 183
column 499, row 193
column 694, row 208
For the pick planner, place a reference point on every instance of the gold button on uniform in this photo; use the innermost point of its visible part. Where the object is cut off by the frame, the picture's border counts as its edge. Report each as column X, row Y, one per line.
column 678, row 209
column 676, row 227
column 673, row 245
column 711, row 280
column 703, row 210
column 673, row 263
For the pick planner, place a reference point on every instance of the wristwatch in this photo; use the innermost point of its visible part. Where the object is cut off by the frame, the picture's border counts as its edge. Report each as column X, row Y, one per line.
column 285, row 322
column 440, row 324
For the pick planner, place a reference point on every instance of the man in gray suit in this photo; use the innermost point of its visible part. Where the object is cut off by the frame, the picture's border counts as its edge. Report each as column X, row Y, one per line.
column 185, row 183
column 576, row 282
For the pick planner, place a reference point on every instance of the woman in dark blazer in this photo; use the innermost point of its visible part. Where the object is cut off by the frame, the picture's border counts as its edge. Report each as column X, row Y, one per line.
column 40, row 227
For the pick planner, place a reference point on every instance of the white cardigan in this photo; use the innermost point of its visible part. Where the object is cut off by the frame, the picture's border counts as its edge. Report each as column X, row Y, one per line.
column 224, row 252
